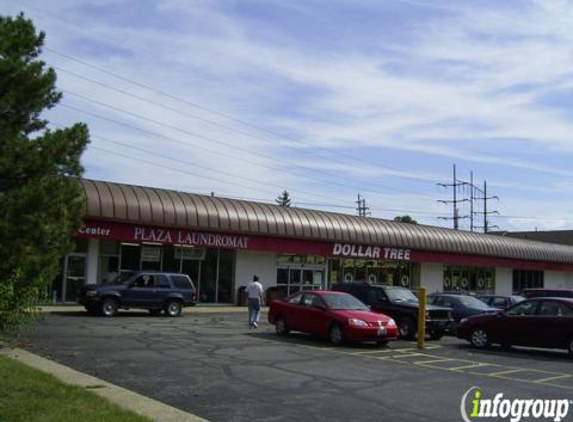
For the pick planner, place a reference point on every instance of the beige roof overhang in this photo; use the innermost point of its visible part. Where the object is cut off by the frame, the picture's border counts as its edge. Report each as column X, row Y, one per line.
column 161, row 207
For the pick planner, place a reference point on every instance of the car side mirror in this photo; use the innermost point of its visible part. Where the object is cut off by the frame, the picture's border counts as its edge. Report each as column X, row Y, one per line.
column 321, row 307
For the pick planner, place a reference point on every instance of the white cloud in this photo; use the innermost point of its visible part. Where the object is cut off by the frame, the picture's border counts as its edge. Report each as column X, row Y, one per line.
column 467, row 75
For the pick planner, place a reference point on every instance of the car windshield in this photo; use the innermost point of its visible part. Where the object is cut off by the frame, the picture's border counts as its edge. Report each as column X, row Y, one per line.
column 472, row 302
column 344, row 302
column 401, row 295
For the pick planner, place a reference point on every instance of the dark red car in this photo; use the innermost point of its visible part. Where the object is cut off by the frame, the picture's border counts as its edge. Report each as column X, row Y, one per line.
column 541, row 322
column 334, row 315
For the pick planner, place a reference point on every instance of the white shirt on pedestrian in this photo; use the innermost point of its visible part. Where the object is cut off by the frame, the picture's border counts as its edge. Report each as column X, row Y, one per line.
column 255, row 290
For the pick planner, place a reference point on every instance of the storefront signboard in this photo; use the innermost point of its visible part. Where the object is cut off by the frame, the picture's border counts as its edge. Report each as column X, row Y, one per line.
column 150, row 254
column 139, row 233
column 348, row 250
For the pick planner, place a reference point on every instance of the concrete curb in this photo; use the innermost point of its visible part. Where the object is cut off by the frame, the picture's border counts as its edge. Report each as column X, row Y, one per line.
column 126, row 399
column 189, row 310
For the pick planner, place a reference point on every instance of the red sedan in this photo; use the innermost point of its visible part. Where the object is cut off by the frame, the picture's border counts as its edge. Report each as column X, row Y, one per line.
column 542, row 322
column 334, row 315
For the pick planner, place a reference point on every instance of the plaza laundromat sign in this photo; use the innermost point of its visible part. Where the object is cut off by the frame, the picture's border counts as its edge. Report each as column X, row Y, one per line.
column 348, row 250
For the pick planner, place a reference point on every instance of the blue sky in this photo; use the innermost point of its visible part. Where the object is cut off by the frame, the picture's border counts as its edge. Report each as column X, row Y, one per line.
column 326, row 99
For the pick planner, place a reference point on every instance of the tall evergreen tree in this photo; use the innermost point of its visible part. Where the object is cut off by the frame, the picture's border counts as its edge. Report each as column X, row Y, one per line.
column 40, row 198
column 283, row 199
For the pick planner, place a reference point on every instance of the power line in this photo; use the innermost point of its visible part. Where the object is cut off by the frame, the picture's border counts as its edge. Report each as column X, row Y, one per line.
column 210, row 122
column 225, row 115
column 198, row 147
column 233, row 175
column 153, row 163
column 210, row 139
column 173, row 109
column 319, row 204
column 155, row 154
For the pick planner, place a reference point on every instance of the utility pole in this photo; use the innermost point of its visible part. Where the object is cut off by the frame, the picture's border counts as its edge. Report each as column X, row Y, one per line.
column 455, row 185
column 471, row 201
column 362, row 208
column 473, row 189
column 486, row 226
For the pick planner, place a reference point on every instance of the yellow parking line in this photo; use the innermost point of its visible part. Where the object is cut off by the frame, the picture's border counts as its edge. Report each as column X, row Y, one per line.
column 553, row 378
column 475, row 365
column 424, row 362
column 511, row 371
column 433, row 346
column 408, row 355
column 371, row 352
column 382, row 357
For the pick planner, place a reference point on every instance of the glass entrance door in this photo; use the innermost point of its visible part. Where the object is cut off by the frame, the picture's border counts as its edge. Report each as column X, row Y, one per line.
column 75, row 275
column 296, row 279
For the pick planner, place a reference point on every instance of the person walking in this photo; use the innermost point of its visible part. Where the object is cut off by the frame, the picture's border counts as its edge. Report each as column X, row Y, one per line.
column 255, row 298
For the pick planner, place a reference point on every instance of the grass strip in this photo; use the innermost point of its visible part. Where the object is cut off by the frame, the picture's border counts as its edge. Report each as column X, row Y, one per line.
column 29, row 395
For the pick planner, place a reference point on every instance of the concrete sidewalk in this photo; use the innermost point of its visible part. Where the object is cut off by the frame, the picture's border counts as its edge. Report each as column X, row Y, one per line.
column 199, row 309
column 126, row 399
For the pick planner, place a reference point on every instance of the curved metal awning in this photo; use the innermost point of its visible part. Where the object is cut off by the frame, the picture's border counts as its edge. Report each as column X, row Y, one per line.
column 168, row 208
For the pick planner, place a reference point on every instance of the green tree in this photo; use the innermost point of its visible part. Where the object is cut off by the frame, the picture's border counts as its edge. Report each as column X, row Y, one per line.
column 283, row 199
column 40, row 198
column 405, row 219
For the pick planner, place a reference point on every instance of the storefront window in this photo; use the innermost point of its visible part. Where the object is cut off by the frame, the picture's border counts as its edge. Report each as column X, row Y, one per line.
column 151, row 257
column 226, row 271
column 170, row 263
column 479, row 280
column 384, row 272
column 108, row 263
column 130, row 257
column 208, row 283
column 524, row 279
column 193, row 269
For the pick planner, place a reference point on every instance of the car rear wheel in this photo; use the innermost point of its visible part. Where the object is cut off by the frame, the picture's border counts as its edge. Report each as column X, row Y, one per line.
column 173, row 308
column 479, row 338
column 281, row 326
column 406, row 328
column 570, row 347
column 109, row 307
column 336, row 334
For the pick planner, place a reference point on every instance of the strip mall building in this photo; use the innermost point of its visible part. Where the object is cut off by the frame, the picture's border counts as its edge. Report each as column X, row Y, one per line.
column 222, row 242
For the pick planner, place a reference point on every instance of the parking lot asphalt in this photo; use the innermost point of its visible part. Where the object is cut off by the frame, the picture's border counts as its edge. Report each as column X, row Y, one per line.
column 212, row 365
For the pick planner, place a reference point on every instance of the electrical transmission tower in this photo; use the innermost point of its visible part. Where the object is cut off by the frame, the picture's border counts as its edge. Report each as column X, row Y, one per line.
column 475, row 194
column 362, row 208
column 486, row 226
column 456, row 184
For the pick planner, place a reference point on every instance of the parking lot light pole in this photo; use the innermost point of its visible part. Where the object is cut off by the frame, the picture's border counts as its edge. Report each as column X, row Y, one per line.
column 422, row 319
